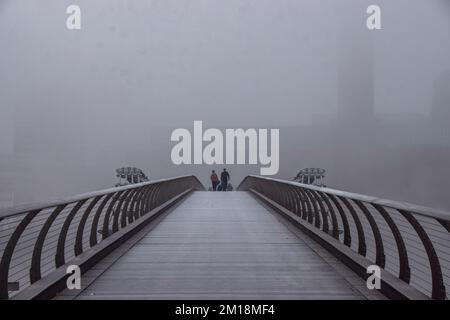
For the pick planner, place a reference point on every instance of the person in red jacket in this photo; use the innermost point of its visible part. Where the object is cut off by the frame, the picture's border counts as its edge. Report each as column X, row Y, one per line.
column 214, row 180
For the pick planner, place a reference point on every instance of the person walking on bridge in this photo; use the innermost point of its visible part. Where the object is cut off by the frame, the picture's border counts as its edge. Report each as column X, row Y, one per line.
column 224, row 178
column 214, row 180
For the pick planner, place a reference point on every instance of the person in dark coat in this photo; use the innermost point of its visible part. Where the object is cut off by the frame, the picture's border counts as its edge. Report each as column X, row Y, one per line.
column 224, row 178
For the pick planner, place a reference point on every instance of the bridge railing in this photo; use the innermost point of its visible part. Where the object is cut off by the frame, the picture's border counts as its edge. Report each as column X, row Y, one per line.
column 38, row 239
column 410, row 244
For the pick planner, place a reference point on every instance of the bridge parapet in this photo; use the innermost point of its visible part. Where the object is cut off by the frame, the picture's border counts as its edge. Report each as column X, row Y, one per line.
column 36, row 240
column 410, row 243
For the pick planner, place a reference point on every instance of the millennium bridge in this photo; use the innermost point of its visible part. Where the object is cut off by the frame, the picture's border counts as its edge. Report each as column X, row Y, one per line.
column 270, row 239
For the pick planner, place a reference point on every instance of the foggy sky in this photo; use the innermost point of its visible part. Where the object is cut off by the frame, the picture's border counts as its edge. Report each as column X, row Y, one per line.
column 75, row 105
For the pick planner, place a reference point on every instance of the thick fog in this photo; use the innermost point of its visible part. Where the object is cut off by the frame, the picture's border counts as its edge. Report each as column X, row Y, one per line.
column 370, row 107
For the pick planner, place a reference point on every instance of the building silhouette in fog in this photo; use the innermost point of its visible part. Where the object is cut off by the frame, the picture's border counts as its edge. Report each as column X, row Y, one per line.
column 353, row 134
column 6, row 156
column 48, row 152
column 440, row 112
column 355, row 68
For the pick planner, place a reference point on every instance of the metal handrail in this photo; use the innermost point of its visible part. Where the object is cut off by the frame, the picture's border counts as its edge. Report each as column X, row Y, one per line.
column 20, row 209
column 417, row 209
column 410, row 242
column 35, row 239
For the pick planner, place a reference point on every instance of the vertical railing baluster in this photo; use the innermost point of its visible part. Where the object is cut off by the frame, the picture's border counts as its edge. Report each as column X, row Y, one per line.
column 60, row 258
column 347, row 234
column 437, row 288
column 95, row 220
column 78, row 248
column 334, row 222
column 35, row 269
column 380, row 259
column 126, row 208
column 9, row 251
column 323, row 212
column 106, row 219
column 118, row 210
column 404, row 270
column 362, row 249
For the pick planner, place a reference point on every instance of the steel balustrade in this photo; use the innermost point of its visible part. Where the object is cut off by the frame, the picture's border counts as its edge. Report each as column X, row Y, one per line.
column 36, row 240
column 411, row 243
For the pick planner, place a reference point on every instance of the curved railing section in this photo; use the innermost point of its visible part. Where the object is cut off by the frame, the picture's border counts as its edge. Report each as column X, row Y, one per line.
column 35, row 240
column 411, row 243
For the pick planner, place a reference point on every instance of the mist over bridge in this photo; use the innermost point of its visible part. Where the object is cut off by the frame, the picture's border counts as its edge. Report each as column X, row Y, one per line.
column 272, row 239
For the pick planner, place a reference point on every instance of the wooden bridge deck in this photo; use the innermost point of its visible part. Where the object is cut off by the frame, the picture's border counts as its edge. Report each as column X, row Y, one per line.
column 220, row 245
